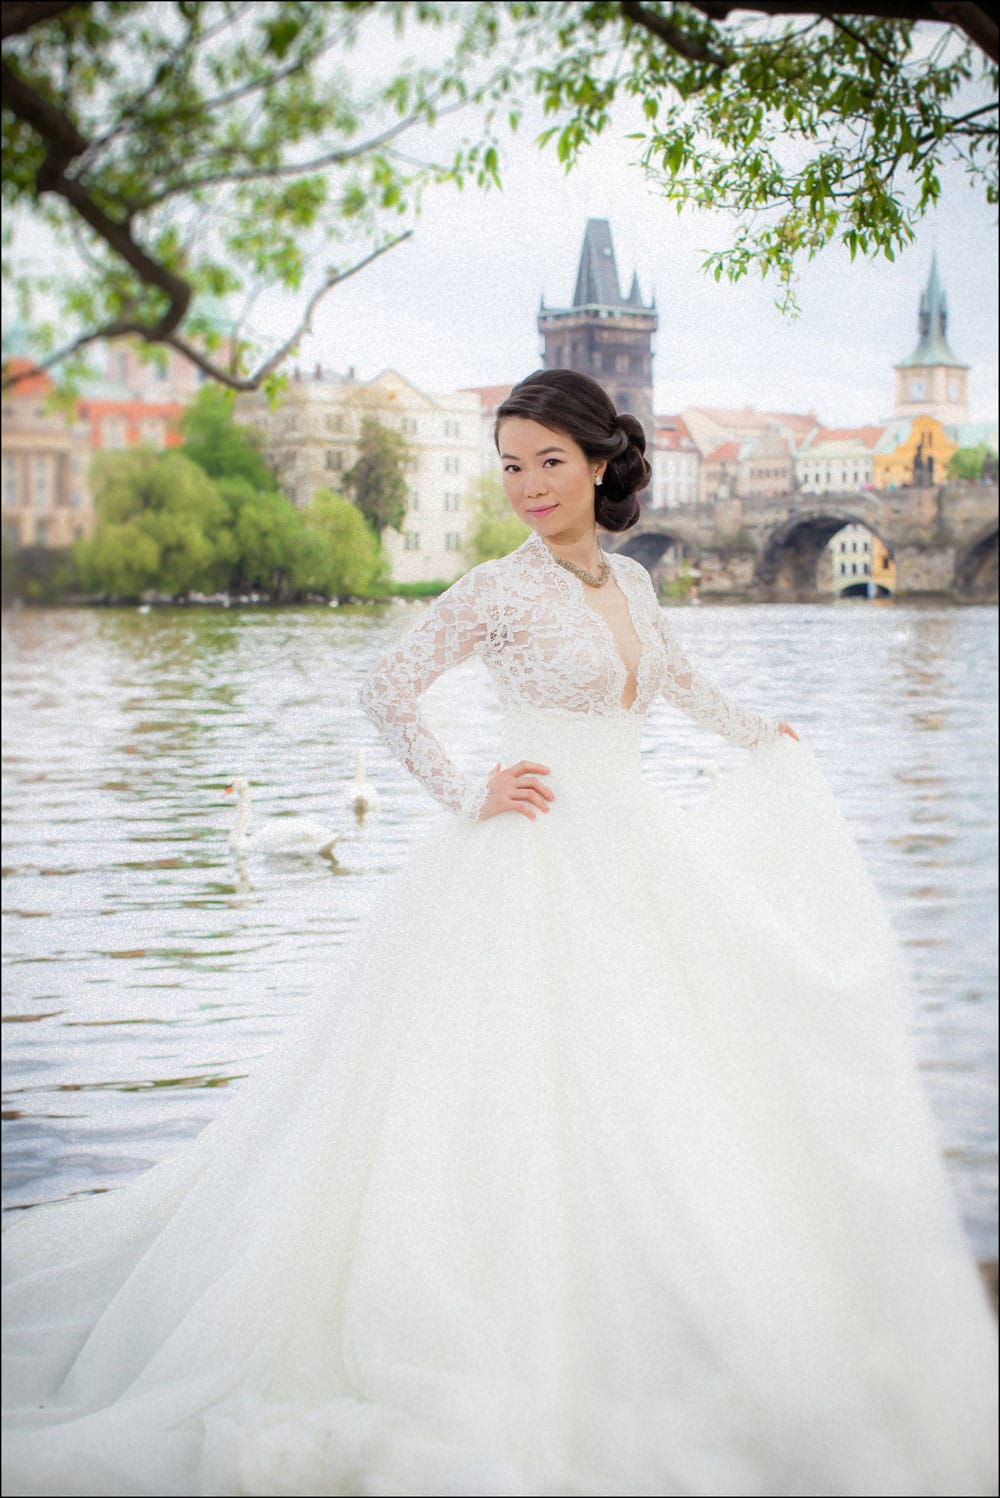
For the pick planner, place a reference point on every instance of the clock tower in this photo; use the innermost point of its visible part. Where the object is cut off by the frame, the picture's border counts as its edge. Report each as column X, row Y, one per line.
column 932, row 382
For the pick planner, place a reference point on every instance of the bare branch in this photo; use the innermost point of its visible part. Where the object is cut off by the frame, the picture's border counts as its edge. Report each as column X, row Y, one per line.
column 122, row 327
column 337, row 156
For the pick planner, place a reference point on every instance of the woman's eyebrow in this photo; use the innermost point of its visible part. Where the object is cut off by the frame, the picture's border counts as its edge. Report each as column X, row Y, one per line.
column 539, row 454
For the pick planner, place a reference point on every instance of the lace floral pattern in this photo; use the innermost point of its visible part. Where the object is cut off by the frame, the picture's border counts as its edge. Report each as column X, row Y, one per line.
column 544, row 645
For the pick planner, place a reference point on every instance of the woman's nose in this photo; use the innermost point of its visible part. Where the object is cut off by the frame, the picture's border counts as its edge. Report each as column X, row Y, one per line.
column 536, row 484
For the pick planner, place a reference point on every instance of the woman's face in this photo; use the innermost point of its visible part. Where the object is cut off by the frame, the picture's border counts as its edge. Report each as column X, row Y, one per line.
column 548, row 479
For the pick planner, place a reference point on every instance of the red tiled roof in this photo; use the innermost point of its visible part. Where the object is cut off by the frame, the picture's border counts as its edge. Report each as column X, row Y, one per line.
column 867, row 436
column 671, row 433
column 749, row 420
column 33, row 385
column 728, row 452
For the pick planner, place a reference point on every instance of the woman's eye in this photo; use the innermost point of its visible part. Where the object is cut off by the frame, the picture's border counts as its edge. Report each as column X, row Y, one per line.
column 510, row 468
column 548, row 461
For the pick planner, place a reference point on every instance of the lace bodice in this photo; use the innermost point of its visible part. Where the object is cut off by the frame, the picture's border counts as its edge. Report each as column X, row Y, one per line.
column 528, row 619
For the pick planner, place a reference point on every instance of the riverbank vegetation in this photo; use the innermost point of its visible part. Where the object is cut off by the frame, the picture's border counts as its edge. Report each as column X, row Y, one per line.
column 208, row 520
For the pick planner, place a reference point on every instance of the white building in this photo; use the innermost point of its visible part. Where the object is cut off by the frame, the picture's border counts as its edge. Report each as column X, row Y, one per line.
column 837, row 460
column 851, row 557
column 311, row 440
column 675, row 459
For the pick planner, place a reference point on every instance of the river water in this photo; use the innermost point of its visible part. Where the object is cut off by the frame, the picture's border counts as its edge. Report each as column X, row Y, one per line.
column 146, row 964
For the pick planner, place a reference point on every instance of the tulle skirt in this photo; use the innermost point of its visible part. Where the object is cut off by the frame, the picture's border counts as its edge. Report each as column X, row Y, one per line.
column 601, row 1173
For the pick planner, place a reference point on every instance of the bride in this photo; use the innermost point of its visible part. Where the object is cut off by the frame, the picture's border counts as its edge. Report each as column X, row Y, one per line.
column 598, row 1175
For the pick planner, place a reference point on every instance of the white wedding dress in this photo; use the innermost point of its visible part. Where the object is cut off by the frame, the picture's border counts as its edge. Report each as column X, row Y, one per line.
column 601, row 1174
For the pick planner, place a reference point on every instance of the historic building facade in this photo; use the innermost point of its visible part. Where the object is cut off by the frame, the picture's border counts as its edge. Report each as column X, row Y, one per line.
column 311, row 441
column 45, row 455
column 604, row 334
column 46, row 452
column 837, row 460
column 675, row 461
column 932, row 382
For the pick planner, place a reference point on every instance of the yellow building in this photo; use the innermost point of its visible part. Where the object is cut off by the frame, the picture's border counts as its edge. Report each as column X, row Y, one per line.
column 912, row 452
column 883, row 568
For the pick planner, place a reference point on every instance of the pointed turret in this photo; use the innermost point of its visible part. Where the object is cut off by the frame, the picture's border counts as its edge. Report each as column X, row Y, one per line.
column 635, row 295
column 597, row 279
column 932, row 382
column 932, row 322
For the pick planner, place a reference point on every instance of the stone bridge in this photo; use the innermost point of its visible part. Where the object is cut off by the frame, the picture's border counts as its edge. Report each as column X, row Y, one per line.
column 942, row 540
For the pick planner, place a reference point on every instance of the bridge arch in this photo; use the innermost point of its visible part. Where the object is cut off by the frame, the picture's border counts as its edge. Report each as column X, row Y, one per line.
column 650, row 545
column 790, row 556
column 976, row 568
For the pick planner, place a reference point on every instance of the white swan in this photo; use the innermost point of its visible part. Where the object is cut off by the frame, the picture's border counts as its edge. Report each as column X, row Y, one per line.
column 281, row 837
column 361, row 795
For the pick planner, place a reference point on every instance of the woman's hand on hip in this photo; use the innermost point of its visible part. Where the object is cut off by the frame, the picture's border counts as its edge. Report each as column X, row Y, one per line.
column 516, row 789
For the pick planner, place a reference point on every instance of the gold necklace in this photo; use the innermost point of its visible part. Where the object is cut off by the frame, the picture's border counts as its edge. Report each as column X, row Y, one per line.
column 586, row 577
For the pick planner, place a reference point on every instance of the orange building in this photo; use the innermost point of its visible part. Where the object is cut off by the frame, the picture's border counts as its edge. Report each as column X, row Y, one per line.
column 117, row 420
column 915, row 451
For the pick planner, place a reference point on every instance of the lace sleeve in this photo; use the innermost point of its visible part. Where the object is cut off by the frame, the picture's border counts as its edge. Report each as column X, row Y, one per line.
column 695, row 695
column 452, row 629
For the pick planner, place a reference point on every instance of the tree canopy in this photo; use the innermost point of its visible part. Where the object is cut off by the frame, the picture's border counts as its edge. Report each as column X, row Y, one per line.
column 208, row 518
column 377, row 481
column 191, row 152
column 495, row 529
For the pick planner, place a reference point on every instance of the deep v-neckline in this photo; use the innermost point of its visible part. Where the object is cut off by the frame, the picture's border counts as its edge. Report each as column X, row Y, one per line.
column 612, row 643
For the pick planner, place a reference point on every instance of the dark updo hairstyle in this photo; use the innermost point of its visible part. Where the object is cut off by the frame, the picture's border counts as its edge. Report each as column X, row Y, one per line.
column 565, row 401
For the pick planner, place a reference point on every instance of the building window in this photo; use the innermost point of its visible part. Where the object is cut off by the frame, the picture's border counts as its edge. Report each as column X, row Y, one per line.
column 452, row 463
column 453, row 503
column 41, row 482
column 411, row 540
column 452, row 429
column 621, row 363
column 334, row 421
column 335, row 461
column 452, row 540
column 9, row 482
column 408, row 426
column 113, row 433
column 42, row 533
column 152, row 432
column 12, row 532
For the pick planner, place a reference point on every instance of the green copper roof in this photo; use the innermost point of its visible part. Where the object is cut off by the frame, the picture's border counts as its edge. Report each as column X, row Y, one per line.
column 933, row 323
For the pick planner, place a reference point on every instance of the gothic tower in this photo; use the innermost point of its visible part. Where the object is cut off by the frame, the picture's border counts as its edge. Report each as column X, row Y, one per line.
column 603, row 334
column 932, row 382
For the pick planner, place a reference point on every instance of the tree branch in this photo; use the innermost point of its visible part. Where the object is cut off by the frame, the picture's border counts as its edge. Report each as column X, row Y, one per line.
column 122, row 327
column 975, row 21
column 65, row 142
column 18, row 18
column 675, row 38
column 335, row 157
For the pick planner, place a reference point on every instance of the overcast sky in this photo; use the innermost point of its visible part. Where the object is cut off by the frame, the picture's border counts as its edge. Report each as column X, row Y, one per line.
column 456, row 305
